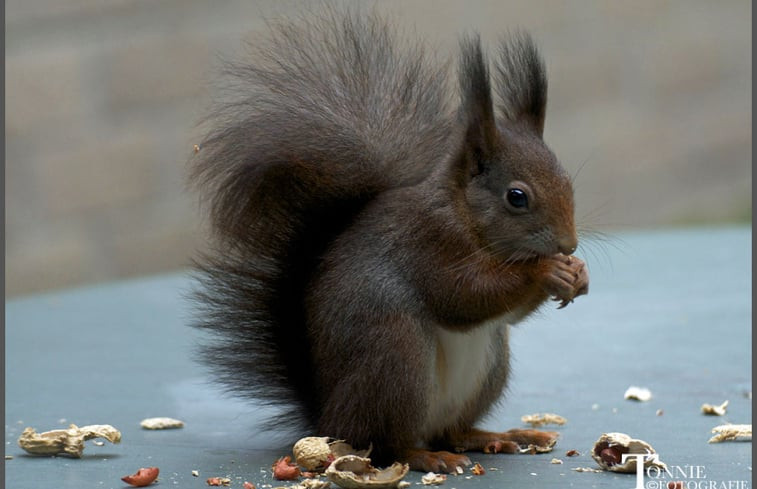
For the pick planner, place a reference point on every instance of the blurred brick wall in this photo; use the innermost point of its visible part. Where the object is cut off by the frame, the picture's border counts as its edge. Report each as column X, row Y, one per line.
column 650, row 100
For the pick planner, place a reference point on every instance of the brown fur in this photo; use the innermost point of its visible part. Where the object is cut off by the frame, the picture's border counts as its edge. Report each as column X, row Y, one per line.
column 358, row 223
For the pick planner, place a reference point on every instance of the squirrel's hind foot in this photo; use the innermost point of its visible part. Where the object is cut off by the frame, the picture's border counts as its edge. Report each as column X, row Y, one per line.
column 434, row 461
column 512, row 441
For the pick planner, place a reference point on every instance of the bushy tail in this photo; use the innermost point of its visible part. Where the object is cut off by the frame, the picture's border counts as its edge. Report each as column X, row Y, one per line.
column 329, row 112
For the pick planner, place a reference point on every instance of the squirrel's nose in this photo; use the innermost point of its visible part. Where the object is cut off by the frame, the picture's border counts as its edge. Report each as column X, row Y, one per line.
column 567, row 245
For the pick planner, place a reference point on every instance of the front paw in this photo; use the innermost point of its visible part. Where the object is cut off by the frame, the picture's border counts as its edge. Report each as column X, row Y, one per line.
column 566, row 278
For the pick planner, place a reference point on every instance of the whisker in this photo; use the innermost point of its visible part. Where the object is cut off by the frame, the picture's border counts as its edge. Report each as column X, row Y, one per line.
column 465, row 261
column 593, row 241
column 574, row 176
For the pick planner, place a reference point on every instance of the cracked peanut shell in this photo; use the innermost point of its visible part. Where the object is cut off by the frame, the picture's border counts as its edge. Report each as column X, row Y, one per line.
column 608, row 452
column 353, row 472
column 65, row 442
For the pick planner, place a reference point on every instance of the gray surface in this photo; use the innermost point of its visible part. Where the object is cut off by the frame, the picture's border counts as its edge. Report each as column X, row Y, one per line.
column 667, row 310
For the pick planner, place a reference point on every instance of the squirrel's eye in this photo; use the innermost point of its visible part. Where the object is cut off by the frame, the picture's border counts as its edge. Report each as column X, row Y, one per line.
column 517, row 198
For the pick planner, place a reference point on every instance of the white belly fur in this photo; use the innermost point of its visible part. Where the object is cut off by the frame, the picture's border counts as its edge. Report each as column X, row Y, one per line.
column 463, row 362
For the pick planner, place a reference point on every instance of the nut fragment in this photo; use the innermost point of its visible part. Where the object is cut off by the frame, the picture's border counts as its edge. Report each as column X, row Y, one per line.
column 556, row 461
column 728, row 432
column 714, row 410
column 353, row 472
column 161, row 423
column 534, row 449
column 611, row 456
column 218, row 481
column 312, row 484
column 285, row 470
column 572, row 453
column 638, row 394
column 65, row 442
column 315, row 453
column 312, row 452
column 248, row 485
column 477, row 469
column 609, row 449
column 433, row 479
column 143, row 477
column 540, row 419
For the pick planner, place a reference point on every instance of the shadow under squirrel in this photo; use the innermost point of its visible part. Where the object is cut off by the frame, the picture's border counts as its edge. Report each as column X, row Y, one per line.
column 376, row 231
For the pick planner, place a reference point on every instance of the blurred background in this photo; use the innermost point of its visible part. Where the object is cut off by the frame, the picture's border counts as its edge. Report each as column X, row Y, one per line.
column 649, row 105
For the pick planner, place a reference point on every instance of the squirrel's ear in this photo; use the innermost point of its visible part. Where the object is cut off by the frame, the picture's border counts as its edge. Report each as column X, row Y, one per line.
column 477, row 109
column 521, row 82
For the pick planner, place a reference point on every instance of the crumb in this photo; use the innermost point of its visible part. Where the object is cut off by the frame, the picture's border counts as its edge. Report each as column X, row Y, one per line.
column 540, row 419
column 432, row 479
column 285, row 470
column 728, row 432
column 714, row 410
column 641, row 394
column 161, row 423
column 143, row 477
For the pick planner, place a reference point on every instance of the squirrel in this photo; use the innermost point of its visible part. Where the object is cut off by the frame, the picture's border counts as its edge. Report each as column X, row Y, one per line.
column 376, row 231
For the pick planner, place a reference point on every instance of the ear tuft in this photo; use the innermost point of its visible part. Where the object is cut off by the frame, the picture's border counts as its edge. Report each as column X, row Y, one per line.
column 522, row 82
column 476, row 92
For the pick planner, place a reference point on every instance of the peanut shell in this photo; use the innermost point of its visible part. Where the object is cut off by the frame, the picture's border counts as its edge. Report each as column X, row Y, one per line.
column 353, row 472
column 608, row 451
